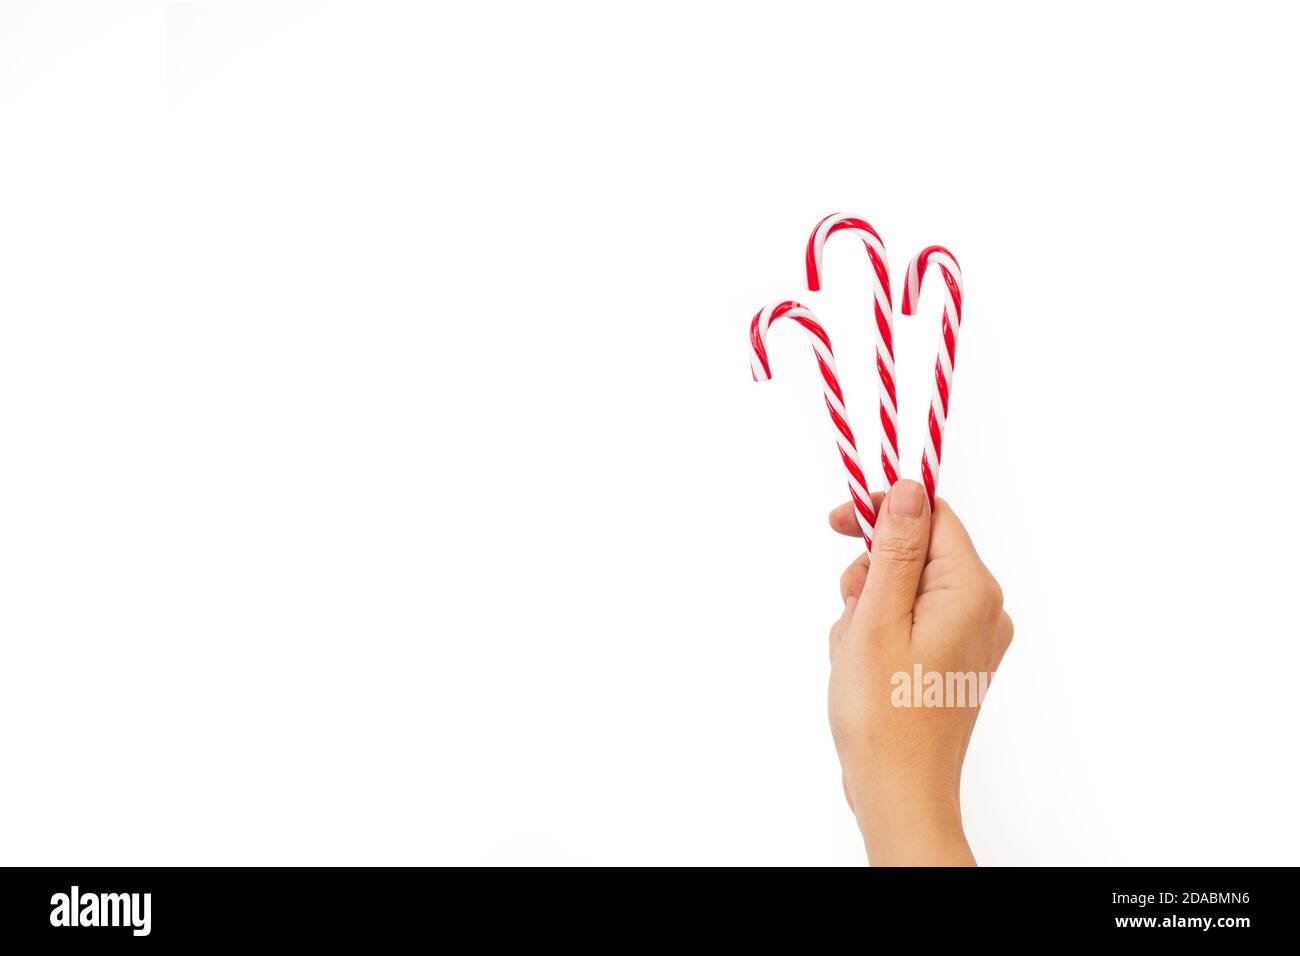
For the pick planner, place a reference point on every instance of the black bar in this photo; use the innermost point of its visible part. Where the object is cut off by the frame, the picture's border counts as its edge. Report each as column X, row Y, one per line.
column 369, row 907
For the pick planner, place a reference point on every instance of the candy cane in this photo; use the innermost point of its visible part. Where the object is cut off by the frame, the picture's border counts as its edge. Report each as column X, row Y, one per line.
column 884, row 323
column 821, row 344
column 943, row 365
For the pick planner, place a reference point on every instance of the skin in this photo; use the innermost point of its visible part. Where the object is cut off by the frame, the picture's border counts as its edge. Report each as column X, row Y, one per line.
column 924, row 597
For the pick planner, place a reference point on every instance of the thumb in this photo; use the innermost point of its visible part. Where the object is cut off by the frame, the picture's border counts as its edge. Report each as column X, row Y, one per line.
column 898, row 554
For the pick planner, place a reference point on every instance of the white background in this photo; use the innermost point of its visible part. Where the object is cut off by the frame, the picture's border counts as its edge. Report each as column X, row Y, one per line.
column 381, row 477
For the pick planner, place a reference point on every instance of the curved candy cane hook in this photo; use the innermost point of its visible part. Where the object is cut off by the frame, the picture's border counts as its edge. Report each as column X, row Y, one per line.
column 943, row 365
column 838, row 222
column 821, row 345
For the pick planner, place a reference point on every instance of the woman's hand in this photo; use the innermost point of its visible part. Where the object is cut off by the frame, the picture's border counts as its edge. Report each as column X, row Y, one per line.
column 923, row 605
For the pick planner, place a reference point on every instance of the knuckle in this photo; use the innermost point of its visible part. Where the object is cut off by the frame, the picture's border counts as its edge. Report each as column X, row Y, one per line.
column 991, row 597
column 905, row 548
column 852, row 580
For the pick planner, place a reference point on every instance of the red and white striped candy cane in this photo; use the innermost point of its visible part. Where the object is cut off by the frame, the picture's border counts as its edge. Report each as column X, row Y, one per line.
column 821, row 345
column 839, row 222
column 943, row 365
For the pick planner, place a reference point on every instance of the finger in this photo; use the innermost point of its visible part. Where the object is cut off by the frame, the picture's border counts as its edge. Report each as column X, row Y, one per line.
column 851, row 583
column 897, row 557
column 840, row 626
column 952, row 560
column 844, row 519
column 947, row 534
column 854, row 578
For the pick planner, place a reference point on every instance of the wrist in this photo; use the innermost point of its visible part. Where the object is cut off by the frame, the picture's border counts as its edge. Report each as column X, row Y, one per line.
column 913, row 829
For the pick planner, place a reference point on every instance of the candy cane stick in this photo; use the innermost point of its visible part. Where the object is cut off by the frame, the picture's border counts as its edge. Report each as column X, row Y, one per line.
column 943, row 365
column 884, row 323
column 821, row 344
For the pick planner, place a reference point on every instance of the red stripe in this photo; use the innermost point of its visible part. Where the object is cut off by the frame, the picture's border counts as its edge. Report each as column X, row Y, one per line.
column 888, row 427
column 816, row 330
column 810, row 258
column 886, row 333
column 922, row 263
column 882, row 274
column 909, row 302
column 954, row 290
column 886, row 380
column 851, row 466
column 864, row 509
column 756, row 342
column 842, row 425
column 852, row 222
column 829, row 378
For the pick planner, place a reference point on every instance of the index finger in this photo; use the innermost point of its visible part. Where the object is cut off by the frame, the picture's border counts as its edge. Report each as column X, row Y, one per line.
column 845, row 520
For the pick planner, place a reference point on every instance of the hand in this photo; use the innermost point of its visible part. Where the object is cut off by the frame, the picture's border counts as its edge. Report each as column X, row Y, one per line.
column 925, row 599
